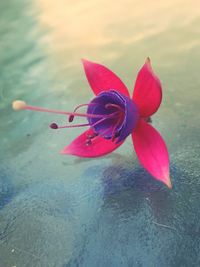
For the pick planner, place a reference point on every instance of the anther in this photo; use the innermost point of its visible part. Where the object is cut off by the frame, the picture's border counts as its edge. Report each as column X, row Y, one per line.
column 53, row 125
column 88, row 142
column 71, row 118
column 115, row 136
column 91, row 136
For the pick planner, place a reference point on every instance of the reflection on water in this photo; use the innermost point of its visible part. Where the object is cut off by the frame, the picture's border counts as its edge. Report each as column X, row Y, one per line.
column 63, row 211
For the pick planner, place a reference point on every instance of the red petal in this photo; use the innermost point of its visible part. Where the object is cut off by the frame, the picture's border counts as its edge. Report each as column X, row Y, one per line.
column 99, row 146
column 148, row 91
column 101, row 78
column 152, row 151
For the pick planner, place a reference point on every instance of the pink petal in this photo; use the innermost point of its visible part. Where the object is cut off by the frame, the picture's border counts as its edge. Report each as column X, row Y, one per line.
column 99, row 146
column 148, row 91
column 101, row 78
column 152, row 151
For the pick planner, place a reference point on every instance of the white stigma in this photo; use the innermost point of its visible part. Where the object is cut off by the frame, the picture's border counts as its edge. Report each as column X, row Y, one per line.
column 18, row 105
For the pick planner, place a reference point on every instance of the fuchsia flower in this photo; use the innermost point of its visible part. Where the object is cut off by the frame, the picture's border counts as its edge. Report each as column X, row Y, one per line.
column 113, row 115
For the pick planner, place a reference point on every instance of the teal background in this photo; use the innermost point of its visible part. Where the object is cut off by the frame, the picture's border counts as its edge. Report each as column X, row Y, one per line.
column 60, row 211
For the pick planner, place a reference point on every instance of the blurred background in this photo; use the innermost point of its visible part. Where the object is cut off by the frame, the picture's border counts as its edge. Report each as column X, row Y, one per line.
column 61, row 211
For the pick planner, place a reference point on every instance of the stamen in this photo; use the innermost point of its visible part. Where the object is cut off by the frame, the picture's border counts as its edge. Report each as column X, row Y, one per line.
column 98, row 135
column 114, row 106
column 114, row 133
column 71, row 117
column 55, row 126
column 84, row 105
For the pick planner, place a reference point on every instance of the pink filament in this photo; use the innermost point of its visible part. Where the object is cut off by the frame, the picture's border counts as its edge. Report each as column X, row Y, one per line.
column 81, row 125
column 114, row 106
column 83, row 105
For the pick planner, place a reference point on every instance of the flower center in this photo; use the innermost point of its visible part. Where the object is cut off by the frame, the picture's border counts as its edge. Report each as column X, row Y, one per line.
column 116, row 127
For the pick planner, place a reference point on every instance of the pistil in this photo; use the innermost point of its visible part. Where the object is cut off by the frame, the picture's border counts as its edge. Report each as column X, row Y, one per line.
column 71, row 117
column 21, row 105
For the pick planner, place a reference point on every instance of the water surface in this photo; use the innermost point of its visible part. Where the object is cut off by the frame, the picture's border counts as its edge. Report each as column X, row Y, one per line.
column 62, row 211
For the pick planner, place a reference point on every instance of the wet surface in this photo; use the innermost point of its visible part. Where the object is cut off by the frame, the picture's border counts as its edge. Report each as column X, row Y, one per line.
column 61, row 211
